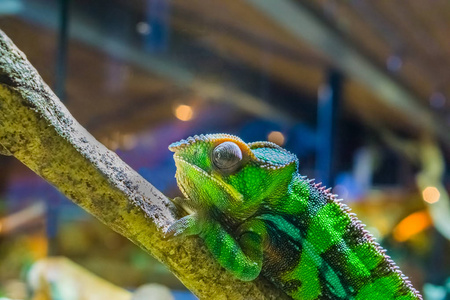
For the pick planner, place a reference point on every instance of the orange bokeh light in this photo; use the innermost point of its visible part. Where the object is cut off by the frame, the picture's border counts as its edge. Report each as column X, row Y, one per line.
column 184, row 112
column 276, row 137
column 411, row 225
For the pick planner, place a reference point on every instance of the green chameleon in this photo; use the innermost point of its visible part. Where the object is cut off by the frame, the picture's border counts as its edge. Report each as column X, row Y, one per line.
column 258, row 215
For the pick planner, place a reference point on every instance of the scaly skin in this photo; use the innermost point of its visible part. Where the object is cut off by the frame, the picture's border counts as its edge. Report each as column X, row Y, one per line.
column 257, row 215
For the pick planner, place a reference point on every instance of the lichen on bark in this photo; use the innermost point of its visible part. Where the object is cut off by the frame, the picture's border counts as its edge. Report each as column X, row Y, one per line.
column 38, row 130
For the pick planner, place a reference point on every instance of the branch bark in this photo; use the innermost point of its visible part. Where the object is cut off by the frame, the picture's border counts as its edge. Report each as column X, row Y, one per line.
column 38, row 130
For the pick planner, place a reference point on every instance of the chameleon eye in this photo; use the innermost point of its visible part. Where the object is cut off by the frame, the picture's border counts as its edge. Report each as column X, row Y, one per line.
column 226, row 155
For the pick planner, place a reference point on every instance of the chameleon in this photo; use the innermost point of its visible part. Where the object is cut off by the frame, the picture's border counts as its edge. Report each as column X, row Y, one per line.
column 258, row 216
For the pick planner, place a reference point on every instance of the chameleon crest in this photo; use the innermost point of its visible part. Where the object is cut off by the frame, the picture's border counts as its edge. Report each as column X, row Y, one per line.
column 257, row 215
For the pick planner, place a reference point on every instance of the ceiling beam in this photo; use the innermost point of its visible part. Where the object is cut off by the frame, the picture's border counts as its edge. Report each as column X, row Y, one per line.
column 97, row 37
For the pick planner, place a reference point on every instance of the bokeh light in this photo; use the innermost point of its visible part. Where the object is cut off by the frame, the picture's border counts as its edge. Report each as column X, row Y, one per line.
column 276, row 137
column 184, row 112
column 143, row 28
column 411, row 225
column 437, row 100
column 431, row 194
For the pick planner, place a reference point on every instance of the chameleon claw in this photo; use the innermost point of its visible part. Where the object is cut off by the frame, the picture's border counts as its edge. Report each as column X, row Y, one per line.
column 178, row 201
column 186, row 204
column 186, row 226
column 4, row 151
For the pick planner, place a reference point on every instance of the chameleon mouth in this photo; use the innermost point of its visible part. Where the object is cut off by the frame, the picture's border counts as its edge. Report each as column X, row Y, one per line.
column 186, row 184
column 180, row 177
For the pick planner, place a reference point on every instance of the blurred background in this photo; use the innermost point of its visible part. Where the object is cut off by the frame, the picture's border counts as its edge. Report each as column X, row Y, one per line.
column 358, row 89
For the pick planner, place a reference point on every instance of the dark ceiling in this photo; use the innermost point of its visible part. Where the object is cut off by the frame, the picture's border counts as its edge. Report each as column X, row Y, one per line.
column 235, row 53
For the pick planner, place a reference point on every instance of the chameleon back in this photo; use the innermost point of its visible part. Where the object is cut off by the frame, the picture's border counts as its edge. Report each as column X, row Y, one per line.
column 323, row 252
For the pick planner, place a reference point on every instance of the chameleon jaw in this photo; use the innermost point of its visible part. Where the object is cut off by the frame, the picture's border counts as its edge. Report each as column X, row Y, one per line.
column 232, row 196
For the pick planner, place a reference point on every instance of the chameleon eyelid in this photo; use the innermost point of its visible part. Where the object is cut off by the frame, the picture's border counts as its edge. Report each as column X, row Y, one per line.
column 226, row 156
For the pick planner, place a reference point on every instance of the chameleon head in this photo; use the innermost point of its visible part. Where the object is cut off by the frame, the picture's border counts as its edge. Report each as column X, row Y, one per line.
column 221, row 170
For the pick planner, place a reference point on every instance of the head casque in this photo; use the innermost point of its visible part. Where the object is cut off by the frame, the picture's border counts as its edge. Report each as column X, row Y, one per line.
column 221, row 170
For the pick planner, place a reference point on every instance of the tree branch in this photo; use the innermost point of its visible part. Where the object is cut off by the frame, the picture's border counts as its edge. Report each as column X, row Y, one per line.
column 38, row 130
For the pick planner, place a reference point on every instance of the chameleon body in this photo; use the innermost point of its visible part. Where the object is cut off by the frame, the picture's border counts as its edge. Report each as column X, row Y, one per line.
column 258, row 215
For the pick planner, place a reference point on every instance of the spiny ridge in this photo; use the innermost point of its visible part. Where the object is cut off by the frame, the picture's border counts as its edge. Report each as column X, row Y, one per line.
column 364, row 234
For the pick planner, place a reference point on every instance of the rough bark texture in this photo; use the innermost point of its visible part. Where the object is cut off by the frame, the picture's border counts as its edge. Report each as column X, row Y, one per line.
column 39, row 131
